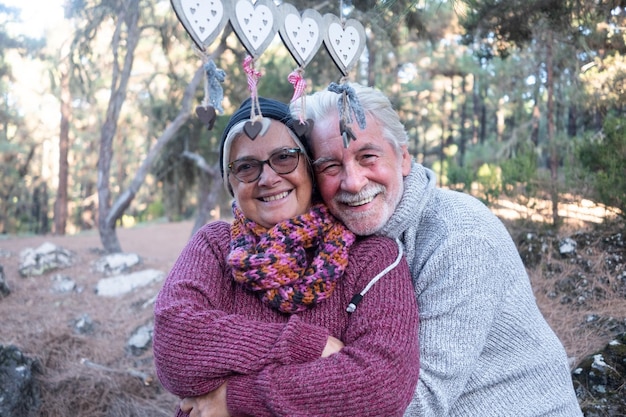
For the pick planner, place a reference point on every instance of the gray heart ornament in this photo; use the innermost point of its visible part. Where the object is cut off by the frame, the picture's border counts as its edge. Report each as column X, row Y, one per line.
column 206, row 115
column 344, row 41
column 252, row 129
column 303, row 129
column 203, row 20
column 302, row 34
column 255, row 24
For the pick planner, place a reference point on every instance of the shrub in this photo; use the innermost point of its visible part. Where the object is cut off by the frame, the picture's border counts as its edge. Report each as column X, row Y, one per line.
column 605, row 160
column 519, row 174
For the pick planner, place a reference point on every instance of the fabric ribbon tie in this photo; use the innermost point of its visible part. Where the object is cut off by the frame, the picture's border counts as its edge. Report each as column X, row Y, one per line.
column 252, row 74
column 299, row 86
column 299, row 83
column 213, row 89
column 348, row 103
column 351, row 103
column 274, row 263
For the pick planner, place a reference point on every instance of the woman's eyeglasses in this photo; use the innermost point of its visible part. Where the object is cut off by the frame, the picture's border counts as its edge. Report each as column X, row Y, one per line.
column 283, row 161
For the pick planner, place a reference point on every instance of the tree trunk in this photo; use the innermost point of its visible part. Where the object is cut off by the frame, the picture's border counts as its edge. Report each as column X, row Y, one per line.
column 60, row 204
column 536, row 118
column 40, row 203
column 108, row 218
column 371, row 61
column 124, row 200
column 500, row 120
column 475, row 108
column 450, row 138
column 463, row 122
column 572, row 120
column 209, row 200
column 209, row 190
column 119, row 84
column 444, row 129
column 483, row 115
column 554, row 154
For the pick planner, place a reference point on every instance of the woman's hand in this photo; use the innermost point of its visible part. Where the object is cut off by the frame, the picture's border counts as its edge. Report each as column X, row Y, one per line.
column 333, row 345
column 211, row 404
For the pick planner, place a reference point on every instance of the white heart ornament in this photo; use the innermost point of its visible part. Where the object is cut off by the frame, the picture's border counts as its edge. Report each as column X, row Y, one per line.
column 344, row 41
column 203, row 20
column 255, row 24
column 301, row 34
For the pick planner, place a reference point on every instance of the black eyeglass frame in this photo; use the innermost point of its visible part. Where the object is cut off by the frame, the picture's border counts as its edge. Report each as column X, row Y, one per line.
column 283, row 151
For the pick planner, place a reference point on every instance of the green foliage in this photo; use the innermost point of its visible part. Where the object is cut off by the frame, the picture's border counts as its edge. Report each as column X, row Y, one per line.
column 23, row 195
column 511, row 23
column 447, row 92
column 520, row 171
column 274, row 82
column 460, row 177
column 484, row 182
column 155, row 210
column 489, row 178
column 605, row 161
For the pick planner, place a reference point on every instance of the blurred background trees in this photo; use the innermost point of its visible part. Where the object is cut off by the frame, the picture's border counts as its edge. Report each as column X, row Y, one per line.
column 521, row 99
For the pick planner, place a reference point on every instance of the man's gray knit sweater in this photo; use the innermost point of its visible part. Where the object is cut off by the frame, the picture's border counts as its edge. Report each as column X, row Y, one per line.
column 486, row 349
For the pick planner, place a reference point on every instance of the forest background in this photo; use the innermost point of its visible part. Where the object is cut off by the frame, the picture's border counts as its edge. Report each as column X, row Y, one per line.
column 518, row 102
column 520, row 98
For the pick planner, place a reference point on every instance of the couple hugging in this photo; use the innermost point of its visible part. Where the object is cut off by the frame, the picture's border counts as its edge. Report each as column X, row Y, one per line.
column 307, row 303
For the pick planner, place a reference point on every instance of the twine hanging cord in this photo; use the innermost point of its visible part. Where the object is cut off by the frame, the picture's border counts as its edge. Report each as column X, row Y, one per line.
column 253, row 76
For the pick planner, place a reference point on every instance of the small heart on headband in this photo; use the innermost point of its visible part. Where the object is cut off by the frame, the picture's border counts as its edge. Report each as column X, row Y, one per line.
column 206, row 115
column 303, row 129
column 252, row 129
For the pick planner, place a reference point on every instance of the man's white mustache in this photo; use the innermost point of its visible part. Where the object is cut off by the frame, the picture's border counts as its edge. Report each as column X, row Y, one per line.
column 366, row 195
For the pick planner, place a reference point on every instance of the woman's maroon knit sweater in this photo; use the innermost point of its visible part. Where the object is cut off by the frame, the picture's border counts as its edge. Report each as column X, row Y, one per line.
column 208, row 329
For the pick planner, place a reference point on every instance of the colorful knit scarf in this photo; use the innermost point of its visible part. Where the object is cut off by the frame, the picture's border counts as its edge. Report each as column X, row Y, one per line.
column 274, row 262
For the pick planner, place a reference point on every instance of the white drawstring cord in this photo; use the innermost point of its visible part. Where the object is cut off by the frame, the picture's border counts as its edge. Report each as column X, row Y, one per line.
column 358, row 297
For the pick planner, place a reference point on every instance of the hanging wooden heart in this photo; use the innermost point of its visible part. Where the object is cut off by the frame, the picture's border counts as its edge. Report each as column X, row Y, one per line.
column 302, row 35
column 255, row 24
column 303, row 129
column 252, row 129
column 207, row 115
column 344, row 41
column 203, row 20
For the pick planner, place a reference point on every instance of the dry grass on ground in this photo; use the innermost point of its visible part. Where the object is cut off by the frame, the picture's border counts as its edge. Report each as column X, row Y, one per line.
column 584, row 297
column 93, row 374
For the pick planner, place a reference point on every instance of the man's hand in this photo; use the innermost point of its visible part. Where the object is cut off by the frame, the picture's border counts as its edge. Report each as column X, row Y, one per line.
column 333, row 345
column 212, row 404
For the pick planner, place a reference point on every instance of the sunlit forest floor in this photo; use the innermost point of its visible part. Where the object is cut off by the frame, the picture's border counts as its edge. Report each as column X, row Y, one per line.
column 581, row 296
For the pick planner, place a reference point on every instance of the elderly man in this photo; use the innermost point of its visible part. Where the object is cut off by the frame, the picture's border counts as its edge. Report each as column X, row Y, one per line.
column 486, row 349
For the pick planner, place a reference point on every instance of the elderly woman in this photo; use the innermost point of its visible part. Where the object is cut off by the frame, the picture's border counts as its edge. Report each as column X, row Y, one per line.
column 253, row 319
